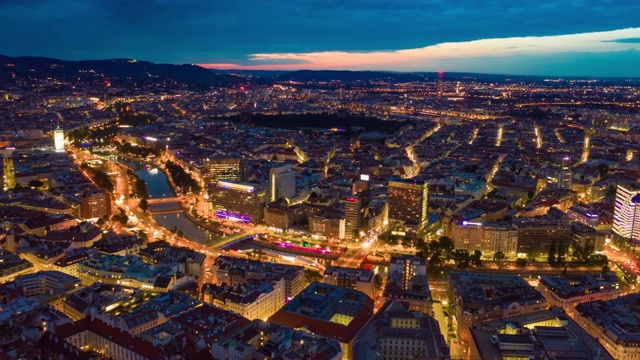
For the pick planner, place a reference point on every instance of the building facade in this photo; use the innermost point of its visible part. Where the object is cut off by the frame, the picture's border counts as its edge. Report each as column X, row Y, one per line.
column 409, row 201
column 626, row 216
column 238, row 201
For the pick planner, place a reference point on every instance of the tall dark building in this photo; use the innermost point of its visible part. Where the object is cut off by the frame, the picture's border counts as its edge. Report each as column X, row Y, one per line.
column 409, row 201
column 352, row 217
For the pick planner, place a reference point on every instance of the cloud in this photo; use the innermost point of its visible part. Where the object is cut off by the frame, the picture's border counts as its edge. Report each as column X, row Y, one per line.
column 446, row 55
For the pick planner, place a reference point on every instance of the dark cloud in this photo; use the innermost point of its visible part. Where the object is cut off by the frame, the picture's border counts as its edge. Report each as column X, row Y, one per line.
column 224, row 31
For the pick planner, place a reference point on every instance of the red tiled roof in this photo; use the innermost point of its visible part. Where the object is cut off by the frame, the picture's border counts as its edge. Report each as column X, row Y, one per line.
column 115, row 335
column 326, row 328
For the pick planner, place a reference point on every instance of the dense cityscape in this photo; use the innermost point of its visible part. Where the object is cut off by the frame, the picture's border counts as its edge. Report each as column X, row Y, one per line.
column 317, row 215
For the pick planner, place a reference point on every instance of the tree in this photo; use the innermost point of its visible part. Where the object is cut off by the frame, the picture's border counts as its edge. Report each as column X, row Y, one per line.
column 603, row 169
column 377, row 281
column 144, row 205
column 143, row 235
column 36, row 184
column 461, row 258
column 446, row 246
column 551, row 258
column 499, row 256
column 521, row 262
column 407, row 242
column 560, row 258
column 605, row 269
column 476, row 258
column 311, row 276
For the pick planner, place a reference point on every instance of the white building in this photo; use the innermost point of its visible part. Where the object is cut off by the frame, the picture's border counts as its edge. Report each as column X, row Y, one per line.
column 626, row 215
column 282, row 182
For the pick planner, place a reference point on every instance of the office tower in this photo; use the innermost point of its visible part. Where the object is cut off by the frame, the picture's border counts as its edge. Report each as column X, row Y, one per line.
column 409, row 201
column 626, row 215
column 440, row 85
column 58, row 139
column 352, row 217
column 282, row 182
column 223, row 168
column 559, row 173
column 238, row 201
column 58, row 135
column 93, row 204
column 8, row 170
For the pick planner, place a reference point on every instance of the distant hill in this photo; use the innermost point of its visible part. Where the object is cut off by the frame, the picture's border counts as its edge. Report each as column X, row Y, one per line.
column 123, row 70
column 398, row 77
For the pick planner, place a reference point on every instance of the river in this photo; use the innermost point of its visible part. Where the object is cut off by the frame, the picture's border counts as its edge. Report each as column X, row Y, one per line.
column 159, row 187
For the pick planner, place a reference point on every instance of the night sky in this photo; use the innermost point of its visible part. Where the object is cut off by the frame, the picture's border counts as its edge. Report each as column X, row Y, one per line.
column 541, row 37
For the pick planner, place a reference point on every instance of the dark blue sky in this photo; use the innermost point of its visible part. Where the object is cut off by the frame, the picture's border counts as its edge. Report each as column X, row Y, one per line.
column 360, row 34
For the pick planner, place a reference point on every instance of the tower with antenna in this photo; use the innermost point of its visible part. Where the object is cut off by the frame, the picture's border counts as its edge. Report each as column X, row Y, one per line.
column 440, row 86
column 58, row 135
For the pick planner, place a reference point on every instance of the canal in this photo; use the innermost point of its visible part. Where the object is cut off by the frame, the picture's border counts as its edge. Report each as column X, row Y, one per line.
column 159, row 187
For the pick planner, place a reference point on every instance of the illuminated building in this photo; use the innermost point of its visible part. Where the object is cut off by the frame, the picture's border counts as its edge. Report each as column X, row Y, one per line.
column 567, row 291
column 546, row 334
column 254, row 300
column 94, row 205
column 482, row 297
column 626, row 215
column 352, row 217
column 488, row 237
column 58, row 139
column 329, row 311
column 8, row 170
column 440, row 85
column 236, row 271
column 407, row 281
column 408, row 201
column 282, row 182
column 238, row 201
column 397, row 332
column 559, row 174
column 536, row 236
column 223, row 168
column 350, row 278
column 614, row 323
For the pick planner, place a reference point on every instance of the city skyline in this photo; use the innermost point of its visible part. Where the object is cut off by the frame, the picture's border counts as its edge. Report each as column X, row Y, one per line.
column 555, row 38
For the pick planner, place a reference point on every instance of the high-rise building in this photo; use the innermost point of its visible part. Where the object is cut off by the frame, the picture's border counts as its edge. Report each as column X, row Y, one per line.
column 352, row 217
column 559, row 173
column 8, row 177
column 282, row 182
column 409, row 201
column 440, row 84
column 222, row 168
column 407, row 281
column 626, row 215
column 58, row 139
column 238, row 201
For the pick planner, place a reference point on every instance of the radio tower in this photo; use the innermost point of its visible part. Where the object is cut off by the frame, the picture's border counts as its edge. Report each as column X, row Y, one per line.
column 440, row 86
